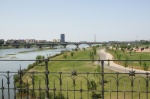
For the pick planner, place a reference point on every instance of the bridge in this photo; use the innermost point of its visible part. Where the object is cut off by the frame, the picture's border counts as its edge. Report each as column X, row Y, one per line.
column 52, row 44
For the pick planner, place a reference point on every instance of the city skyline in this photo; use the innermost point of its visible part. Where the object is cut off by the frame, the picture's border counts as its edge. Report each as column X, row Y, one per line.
column 85, row 20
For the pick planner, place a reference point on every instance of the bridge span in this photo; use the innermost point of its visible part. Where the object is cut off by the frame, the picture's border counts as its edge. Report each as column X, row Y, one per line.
column 52, row 44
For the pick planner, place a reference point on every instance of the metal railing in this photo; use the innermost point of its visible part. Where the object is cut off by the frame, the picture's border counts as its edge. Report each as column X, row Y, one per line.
column 102, row 84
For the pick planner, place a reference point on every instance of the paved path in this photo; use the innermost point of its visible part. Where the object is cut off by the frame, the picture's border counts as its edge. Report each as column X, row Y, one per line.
column 115, row 67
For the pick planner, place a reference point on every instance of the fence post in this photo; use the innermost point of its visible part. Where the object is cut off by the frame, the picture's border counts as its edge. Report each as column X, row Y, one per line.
column 8, row 82
column 102, row 82
column 46, row 78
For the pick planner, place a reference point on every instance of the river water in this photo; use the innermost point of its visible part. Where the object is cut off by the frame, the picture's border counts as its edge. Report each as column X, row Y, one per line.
column 14, row 66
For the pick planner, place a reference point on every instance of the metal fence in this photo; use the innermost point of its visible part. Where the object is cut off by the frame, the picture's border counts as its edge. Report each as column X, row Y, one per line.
column 103, row 84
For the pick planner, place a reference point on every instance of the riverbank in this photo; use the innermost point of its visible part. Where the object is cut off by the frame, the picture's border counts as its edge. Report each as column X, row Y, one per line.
column 73, row 76
column 66, row 67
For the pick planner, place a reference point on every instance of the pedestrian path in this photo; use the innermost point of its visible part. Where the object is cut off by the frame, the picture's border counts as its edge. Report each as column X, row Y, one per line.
column 117, row 67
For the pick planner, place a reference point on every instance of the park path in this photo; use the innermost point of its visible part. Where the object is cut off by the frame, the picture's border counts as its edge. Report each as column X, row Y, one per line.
column 115, row 67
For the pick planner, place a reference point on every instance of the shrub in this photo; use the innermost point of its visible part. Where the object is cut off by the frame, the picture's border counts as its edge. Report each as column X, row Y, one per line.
column 16, row 78
column 23, row 85
column 92, row 85
column 83, row 49
column 30, row 66
column 51, row 96
column 60, row 96
column 72, row 53
column 65, row 55
column 39, row 58
column 145, row 66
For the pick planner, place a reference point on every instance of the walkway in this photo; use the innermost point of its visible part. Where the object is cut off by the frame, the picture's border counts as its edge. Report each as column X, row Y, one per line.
column 115, row 67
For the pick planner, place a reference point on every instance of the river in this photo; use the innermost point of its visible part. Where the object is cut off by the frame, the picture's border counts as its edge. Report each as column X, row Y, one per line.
column 14, row 66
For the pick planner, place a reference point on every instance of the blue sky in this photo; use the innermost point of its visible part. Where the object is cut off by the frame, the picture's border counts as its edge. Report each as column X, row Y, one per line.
column 79, row 20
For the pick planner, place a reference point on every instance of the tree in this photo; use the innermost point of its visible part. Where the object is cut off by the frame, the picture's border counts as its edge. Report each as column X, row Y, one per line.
column 108, row 62
column 146, row 47
column 94, row 50
column 97, row 69
column 130, row 51
column 140, row 62
column 39, row 59
column 137, row 47
column 119, row 56
column 1, row 42
column 93, row 57
column 123, row 50
column 90, row 55
column 126, row 63
column 72, row 53
column 145, row 66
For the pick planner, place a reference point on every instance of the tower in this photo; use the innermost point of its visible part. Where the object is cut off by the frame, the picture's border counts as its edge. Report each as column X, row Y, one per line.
column 62, row 38
column 94, row 38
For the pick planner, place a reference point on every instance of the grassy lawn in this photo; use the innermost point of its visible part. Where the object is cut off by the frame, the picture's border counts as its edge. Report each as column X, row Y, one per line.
column 70, row 82
column 133, row 56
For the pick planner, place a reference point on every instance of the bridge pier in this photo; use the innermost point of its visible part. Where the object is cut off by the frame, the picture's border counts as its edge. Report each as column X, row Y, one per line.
column 40, row 46
column 64, row 45
column 17, row 46
column 27, row 46
column 51, row 46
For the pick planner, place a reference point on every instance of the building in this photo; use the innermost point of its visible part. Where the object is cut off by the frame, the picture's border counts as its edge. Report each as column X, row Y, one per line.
column 41, row 41
column 30, row 41
column 1, row 41
column 11, row 41
column 56, row 40
column 62, row 38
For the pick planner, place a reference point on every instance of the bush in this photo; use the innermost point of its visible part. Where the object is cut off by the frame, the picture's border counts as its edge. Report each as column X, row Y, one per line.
column 24, row 70
column 16, row 78
column 65, row 55
column 92, row 85
column 72, row 53
column 145, row 66
column 39, row 57
column 32, row 93
column 30, row 66
column 84, row 49
column 60, row 96
column 23, row 85
column 96, row 96
column 51, row 96
column 34, row 64
column 76, row 49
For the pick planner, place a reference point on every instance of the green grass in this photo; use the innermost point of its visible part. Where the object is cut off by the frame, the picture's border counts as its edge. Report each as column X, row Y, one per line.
column 133, row 56
column 81, row 79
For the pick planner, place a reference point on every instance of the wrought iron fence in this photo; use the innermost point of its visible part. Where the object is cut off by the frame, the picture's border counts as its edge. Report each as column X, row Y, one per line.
column 102, row 84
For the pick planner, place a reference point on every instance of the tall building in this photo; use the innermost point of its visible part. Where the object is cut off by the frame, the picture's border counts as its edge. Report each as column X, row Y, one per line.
column 62, row 38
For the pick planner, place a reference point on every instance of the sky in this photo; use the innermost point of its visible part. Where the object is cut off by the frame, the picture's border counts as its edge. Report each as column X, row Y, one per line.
column 79, row 20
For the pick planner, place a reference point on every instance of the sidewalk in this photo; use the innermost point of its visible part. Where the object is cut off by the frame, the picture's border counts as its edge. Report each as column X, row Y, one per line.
column 117, row 67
